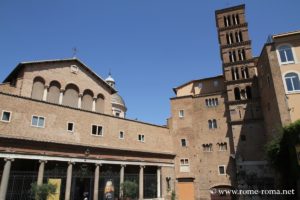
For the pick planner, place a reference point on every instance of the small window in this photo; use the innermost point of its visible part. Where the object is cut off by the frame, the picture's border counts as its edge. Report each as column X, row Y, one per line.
column 184, row 161
column 286, row 54
column 70, row 127
column 181, row 113
column 183, row 142
column 222, row 146
column 97, row 130
column 222, row 170
column 6, row 115
column 121, row 135
column 74, row 69
column 38, row 121
column 141, row 138
column 117, row 114
column 207, row 147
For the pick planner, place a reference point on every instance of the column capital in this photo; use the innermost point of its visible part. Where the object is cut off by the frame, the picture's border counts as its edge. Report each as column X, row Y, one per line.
column 43, row 161
column 9, row 159
column 62, row 90
column 95, row 98
column 80, row 95
column 123, row 165
column 71, row 163
column 46, row 86
column 142, row 166
column 98, row 164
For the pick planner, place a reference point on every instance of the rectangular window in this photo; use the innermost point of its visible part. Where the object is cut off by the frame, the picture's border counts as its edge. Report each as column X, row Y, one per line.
column 38, row 121
column 141, row 138
column 70, row 127
column 184, row 165
column 121, row 135
column 6, row 115
column 181, row 113
column 222, row 170
column 97, row 130
column 183, row 142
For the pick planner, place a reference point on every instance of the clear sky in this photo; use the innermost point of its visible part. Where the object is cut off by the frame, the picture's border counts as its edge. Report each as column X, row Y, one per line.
column 151, row 46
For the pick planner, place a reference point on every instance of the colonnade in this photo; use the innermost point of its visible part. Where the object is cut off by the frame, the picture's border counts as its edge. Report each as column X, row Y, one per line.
column 42, row 163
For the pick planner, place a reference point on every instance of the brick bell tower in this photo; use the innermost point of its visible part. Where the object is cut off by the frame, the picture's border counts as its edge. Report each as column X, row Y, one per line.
column 245, row 122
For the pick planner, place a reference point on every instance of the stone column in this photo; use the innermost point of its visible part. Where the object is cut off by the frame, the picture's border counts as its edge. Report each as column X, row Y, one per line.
column 141, row 183
column 94, row 104
column 79, row 100
column 69, row 181
column 96, row 181
column 41, row 172
column 121, row 180
column 61, row 96
column 158, row 173
column 45, row 92
column 5, row 178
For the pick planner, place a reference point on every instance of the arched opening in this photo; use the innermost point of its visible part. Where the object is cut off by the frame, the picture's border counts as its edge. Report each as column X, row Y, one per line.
column 234, row 56
column 237, row 75
column 237, row 94
column 243, row 54
column 54, row 92
column 71, row 96
column 231, row 38
column 241, row 36
column 210, row 125
column 233, row 74
column 248, row 92
column 227, row 38
column 237, row 38
column 237, row 19
column 215, row 123
column 100, row 103
column 243, row 94
column 38, row 88
column 229, row 20
column 87, row 100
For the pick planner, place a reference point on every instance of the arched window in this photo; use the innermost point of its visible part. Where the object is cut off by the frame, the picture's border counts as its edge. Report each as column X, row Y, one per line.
column 237, row 19
column 213, row 102
column 209, row 102
column 71, row 96
column 230, row 38
column 286, row 54
column 248, row 92
column 292, row 82
column 210, row 124
column 225, row 21
column 216, row 101
column 241, row 36
column 230, row 56
column 227, row 38
column 87, row 100
column 233, row 74
column 237, row 94
column 234, row 56
column 214, row 123
column 54, row 92
column 38, row 88
column 229, row 20
column 206, row 102
column 237, row 75
column 243, row 54
column 100, row 103
column 237, row 38
column 247, row 72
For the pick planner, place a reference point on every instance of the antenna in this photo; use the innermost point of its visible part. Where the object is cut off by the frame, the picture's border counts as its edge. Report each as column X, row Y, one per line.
column 74, row 50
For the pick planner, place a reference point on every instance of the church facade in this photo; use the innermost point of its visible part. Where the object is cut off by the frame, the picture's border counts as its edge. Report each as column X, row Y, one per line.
column 61, row 123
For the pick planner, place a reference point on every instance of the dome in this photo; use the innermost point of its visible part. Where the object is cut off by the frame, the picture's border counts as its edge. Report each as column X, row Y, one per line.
column 117, row 99
column 109, row 79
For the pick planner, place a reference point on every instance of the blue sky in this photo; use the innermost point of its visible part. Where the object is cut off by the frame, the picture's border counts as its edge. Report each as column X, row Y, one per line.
column 150, row 46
